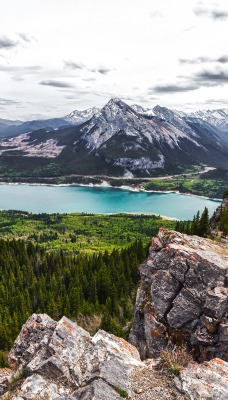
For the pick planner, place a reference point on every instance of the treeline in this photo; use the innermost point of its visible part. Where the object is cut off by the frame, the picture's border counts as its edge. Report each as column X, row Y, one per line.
column 66, row 284
column 201, row 225
column 198, row 226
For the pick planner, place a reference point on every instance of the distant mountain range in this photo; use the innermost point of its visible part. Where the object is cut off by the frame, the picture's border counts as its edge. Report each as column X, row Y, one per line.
column 119, row 140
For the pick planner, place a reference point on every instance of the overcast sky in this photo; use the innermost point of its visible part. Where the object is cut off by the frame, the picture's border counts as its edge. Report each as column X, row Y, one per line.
column 57, row 56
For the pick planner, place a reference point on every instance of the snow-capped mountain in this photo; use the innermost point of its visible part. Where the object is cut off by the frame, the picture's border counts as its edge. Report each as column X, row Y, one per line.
column 117, row 117
column 217, row 118
column 123, row 140
column 78, row 117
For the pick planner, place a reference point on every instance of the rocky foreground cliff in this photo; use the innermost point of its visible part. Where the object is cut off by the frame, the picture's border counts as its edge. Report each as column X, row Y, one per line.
column 60, row 361
column 183, row 297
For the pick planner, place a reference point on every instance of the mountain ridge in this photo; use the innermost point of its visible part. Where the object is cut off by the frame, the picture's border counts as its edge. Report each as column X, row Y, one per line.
column 121, row 140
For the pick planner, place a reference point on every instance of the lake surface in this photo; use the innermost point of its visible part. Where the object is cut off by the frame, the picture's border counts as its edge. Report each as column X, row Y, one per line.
column 66, row 199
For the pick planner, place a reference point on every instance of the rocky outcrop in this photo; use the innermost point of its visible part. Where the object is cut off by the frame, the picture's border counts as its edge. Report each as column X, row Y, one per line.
column 62, row 361
column 183, row 297
column 207, row 381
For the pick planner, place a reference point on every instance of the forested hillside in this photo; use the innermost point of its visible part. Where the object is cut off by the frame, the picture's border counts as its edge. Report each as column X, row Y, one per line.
column 32, row 280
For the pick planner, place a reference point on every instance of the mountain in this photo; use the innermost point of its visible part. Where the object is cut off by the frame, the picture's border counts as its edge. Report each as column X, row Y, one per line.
column 5, row 123
column 78, row 117
column 217, row 118
column 118, row 140
column 19, row 128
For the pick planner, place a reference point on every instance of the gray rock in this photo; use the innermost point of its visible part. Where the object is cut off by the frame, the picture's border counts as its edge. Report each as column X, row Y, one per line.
column 64, row 362
column 97, row 390
column 206, row 381
column 164, row 289
column 185, row 308
column 183, row 288
column 223, row 333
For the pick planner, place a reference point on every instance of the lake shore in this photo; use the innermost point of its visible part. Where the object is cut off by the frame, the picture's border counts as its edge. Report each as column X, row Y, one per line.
column 105, row 184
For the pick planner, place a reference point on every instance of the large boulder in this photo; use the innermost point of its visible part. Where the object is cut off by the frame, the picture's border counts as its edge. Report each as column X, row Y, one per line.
column 62, row 361
column 183, row 297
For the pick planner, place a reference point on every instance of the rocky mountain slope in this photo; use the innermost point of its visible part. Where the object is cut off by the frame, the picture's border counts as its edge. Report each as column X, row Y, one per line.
column 120, row 140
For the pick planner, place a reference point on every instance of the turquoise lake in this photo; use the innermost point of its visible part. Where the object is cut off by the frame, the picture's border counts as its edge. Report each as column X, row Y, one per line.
column 66, row 199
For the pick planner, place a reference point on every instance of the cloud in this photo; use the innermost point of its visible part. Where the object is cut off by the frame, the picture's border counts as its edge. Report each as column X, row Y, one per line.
column 74, row 65
column 218, row 101
column 24, row 37
column 6, row 43
column 89, row 79
column 7, row 102
column 215, row 14
column 78, row 65
column 18, row 72
column 173, row 88
column 199, row 60
column 57, row 84
column 212, row 78
column 223, row 59
column 23, row 70
column 103, row 70
column 219, row 14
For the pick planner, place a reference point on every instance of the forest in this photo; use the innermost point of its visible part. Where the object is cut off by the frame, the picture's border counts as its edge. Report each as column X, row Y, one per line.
column 83, row 266
column 32, row 280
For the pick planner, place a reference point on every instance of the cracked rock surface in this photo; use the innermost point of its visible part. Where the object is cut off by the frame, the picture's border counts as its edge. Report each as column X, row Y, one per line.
column 62, row 361
column 183, row 297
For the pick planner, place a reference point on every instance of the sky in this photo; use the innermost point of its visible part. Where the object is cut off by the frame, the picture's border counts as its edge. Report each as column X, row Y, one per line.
column 57, row 56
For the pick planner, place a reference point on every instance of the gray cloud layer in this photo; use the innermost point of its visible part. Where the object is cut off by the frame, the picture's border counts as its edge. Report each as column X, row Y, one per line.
column 214, row 13
column 172, row 88
column 203, row 78
column 7, row 102
column 7, row 43
column 57, row 84
column 78, row 65
column 199, row 60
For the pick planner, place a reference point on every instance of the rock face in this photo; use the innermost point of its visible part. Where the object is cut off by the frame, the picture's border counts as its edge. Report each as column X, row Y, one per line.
column 205, row 381
column 62, row 361
column 183, row 297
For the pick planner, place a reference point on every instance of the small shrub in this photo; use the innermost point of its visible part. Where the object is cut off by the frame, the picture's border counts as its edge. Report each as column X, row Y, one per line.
column 121, row 392
column 174, row 358
column 17, row 378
